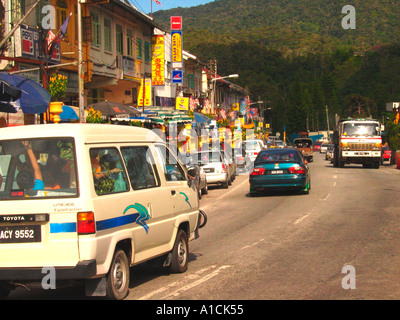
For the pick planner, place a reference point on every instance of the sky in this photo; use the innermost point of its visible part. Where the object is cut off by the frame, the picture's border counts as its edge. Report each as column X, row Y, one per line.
column 145, row 5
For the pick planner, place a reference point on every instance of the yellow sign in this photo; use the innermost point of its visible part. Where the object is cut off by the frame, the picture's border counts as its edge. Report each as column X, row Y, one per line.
column 235, row 106
column 182, row 103
column 144, row 94
column 157, row 61
column 176, row 44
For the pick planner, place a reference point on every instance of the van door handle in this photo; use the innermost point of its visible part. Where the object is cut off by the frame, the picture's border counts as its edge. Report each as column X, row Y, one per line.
column 173, row 192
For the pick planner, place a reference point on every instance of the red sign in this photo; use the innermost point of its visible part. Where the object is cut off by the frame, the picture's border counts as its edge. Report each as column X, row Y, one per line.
column 176, row 23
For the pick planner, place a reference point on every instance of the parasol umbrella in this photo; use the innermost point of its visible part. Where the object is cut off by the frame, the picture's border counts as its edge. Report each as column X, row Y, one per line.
column 8, row 92
column 34, row 98
column 68, row 114
column 108, row 108
column 199, row 118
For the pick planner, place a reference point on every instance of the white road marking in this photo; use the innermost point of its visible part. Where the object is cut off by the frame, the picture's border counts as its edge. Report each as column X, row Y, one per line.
column 302, row 218
column 197, row 275
column 252, row 245
column 201, row 280
column 326, row 197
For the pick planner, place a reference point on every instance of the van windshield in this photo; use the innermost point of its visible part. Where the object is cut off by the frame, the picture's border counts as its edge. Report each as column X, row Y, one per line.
column 37, row 168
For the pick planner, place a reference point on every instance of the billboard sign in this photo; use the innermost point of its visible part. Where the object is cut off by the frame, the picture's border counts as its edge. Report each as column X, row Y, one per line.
column 27, row 44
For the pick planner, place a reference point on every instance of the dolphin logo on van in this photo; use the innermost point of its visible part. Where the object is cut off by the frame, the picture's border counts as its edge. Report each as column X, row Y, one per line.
column 143, row 215
column 186, row 199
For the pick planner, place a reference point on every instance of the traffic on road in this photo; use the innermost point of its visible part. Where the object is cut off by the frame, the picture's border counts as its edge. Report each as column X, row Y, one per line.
column 278, row 176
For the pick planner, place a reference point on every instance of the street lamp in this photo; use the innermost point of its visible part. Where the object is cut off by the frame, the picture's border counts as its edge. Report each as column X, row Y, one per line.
column 230, row 76
column 214, row 84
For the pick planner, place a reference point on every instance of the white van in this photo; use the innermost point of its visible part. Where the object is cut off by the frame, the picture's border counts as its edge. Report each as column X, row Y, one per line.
column 91, row 200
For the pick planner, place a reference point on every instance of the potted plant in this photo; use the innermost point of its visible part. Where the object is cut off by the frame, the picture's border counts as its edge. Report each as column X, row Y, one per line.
column 94, row 116
column 57, row 89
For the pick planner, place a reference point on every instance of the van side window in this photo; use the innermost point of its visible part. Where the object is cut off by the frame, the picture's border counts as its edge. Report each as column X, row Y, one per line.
column 108, row 172
column 141, row 167
column 172, row 170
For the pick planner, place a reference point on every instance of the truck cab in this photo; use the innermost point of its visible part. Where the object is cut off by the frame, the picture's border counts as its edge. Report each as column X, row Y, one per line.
column 358, row 141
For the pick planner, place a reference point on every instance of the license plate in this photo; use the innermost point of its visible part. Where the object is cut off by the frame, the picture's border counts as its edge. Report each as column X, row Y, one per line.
column 277, row 172
column 20, row 234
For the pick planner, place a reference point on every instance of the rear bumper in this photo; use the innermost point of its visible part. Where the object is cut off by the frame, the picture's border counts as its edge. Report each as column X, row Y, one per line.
column 83, row 270
column 283, row 182
column 216, row 178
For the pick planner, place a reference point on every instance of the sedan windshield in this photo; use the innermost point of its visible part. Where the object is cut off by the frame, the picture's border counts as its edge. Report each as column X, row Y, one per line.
column 250, row 145
column 206, row 157
column 275, row 155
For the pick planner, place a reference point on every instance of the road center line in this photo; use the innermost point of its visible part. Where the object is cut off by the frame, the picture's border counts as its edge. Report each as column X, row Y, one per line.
column 252, row 245
column 304, row 217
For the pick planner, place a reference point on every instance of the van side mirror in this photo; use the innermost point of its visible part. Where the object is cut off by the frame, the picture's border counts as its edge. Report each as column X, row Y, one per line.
column 192, row 173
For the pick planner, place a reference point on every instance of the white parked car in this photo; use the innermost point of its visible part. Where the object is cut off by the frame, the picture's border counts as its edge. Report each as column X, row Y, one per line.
column 215, row 166
column 252, row 147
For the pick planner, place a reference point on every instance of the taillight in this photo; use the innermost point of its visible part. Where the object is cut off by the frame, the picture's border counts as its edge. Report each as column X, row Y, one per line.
column 297, row 170
column 86, row 223
column 258, row 172
column 240, row 158
column 255, row 153
column 223, row 168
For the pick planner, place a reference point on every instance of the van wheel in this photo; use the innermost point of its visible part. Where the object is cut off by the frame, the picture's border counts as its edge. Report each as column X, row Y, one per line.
column 118, row 277
column 180, row 253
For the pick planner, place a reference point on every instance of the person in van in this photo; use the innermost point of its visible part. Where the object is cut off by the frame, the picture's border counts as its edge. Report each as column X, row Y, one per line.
column 38, row 178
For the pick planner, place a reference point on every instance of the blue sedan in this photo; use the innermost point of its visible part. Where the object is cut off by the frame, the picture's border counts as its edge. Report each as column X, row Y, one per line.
column 280, row 169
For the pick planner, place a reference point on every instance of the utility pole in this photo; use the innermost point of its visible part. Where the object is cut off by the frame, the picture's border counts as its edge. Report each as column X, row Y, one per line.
column 212, row 66
column 81, row 70
column 327, row 121
column 3, row 41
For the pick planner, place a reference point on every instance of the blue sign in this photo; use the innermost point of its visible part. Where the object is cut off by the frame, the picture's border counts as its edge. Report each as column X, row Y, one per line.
column 177, row 76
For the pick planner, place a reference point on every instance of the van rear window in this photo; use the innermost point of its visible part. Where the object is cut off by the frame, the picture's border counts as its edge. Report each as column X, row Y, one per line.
column 37, row 168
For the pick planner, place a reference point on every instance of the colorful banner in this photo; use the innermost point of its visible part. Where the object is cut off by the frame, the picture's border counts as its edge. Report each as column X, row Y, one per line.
column 157, row 69
column 144, row 98
column 176, row 47
column 182, row 103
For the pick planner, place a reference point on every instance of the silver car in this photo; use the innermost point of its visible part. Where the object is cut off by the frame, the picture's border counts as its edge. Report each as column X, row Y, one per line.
column 215, row 166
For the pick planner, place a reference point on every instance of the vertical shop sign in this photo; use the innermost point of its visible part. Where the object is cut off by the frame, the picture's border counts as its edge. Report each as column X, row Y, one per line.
column 144, row 93
column 176, row 45
column 157, row 49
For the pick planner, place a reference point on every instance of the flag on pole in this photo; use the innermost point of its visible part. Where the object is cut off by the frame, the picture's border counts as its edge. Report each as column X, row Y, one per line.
column 49, row 39
column 158, row 2
column 61, row 33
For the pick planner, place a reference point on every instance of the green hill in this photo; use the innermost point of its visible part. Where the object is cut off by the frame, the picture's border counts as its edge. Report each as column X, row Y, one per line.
column 290, row 25
column 295, row 55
